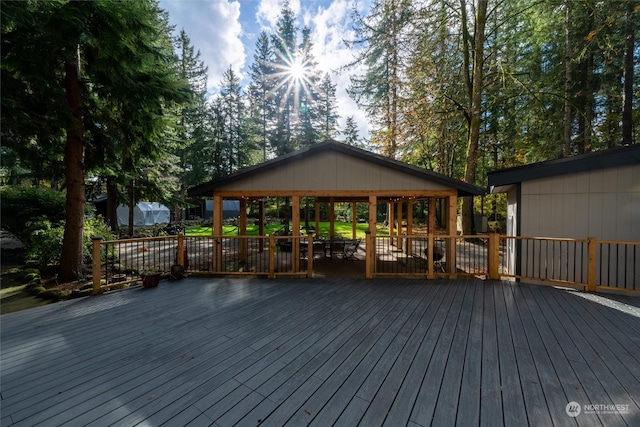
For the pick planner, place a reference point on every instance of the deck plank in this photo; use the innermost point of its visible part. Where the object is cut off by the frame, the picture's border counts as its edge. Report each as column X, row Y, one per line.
column 222, row 352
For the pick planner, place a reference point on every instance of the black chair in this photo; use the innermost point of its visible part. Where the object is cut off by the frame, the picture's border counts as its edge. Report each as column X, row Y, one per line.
column 438, row 258
column 351, row 249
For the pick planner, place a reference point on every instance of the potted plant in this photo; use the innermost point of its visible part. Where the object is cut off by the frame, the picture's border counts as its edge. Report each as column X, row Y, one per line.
column 150, row 277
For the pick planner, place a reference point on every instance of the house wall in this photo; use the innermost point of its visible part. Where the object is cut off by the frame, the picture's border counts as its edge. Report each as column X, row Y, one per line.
column 603, row 203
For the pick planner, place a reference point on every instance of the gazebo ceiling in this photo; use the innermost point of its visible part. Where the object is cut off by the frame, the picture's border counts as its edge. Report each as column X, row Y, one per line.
column 340, row 171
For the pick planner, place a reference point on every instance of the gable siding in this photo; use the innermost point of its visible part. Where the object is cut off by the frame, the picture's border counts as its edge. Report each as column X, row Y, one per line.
column 332, row 171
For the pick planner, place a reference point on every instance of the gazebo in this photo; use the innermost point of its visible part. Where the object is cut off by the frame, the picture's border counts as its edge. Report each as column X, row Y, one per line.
column 333, row 172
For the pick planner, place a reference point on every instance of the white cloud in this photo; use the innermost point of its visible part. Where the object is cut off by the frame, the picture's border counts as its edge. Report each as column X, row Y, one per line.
column 268, row 11
column 214, row 29
column 330, row 27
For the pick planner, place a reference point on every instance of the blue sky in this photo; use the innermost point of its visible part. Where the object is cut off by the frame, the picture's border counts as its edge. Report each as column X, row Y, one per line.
column 225, row 33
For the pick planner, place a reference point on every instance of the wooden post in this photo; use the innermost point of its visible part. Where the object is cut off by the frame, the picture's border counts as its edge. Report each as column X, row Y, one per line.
column 392, row 221
column 332, row 218
column 370, row 255
column 261, row 224
column 310, row 256
column 591, row 264
column 409, row 226
column 317, row 204
column 242, row 230
column 432, row 215
column 217, row 234
column 272, row 257
column 354, row 220
column 400, row 235
column 493, row 252
column 180, row 255
column 96, row 269
column 295, row 233
column 430, row 243
column 452, row 231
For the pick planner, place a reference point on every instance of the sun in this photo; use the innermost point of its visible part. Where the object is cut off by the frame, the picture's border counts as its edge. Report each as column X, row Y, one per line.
column 297, row 71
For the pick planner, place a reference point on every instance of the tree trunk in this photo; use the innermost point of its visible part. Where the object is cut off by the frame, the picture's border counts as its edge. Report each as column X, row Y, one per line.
column 112, row 204
column 132, row 204
column 627, row 107
column 567, row 79
column 71, row 260
column 476, row 112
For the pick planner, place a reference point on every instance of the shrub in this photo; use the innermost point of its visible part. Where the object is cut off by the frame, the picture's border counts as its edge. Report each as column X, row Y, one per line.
column 23, row 207
column 46, row 243
column 97, row 227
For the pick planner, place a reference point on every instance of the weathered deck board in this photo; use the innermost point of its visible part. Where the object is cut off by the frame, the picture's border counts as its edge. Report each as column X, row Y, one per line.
column 323, row 352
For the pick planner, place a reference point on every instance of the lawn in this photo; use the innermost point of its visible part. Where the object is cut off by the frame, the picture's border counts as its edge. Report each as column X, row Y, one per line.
column 343, row 229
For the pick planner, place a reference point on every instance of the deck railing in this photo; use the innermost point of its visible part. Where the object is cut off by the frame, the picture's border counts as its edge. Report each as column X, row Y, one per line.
column 585, row 263
column 117, row 263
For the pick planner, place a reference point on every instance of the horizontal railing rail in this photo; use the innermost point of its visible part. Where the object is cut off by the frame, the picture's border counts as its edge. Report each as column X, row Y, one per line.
column 584, row 263
column 117, row 263
column 410, row 254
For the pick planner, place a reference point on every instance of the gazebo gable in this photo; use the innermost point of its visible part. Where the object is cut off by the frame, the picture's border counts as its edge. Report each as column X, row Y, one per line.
column 335, row 167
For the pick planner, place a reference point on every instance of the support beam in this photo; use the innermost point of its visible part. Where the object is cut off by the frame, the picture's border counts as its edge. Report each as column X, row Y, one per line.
column 261, row 224
column 400, row 234
column 317, row 205
column 392, row 221
column 242, row 230
column 431, row 227
column 295, row 233
column 217, row 233
column 370, row 247
column 354, row 220
column 409, row 225
column 332, row 218
column 452, row 230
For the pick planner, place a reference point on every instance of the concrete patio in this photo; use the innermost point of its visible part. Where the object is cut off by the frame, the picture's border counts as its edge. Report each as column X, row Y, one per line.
column 327, row 351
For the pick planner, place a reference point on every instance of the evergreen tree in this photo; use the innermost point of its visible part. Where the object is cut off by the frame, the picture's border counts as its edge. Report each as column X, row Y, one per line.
column 190, row 139
column 380, row 40
column 115, row 63
column 284, row 49
column 233, row 140
column 260, row 92
column 328, row 108
column 350, row 133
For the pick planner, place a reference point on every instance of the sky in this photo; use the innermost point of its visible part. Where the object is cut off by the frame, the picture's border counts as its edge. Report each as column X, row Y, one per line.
column 225, row 33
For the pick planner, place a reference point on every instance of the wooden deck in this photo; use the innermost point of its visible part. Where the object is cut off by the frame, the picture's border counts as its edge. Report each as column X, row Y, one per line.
column 324, row 352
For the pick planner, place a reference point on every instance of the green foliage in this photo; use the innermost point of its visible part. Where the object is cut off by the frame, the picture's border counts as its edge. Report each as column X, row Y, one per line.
column 45, row 245
column 23, row 208
column 96, row 227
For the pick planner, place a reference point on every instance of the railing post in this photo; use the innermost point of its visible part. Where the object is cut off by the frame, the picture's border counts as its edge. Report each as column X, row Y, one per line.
column 180, row 254
column 272, row 255
column 591, row 264
column 494, row 256
column 430, row 243
column 370, row 255
column 96, row 264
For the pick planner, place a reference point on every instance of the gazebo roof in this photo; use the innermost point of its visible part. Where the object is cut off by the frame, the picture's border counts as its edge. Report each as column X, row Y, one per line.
column 333, row 167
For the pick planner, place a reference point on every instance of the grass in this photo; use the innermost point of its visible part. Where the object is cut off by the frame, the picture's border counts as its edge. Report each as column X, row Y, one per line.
column 343, row 229
column 13, row 296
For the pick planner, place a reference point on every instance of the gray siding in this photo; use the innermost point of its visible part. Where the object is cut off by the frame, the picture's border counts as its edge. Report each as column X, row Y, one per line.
column 604, row 204
column 332, row 171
